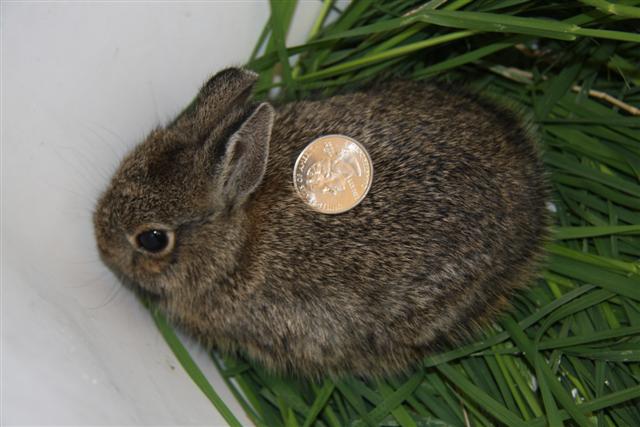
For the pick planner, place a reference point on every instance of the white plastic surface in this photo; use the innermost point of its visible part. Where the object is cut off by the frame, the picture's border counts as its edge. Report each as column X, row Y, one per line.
column 81, row 84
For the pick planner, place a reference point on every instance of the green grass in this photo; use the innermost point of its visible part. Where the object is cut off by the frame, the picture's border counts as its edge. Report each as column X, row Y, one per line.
column 568, row 353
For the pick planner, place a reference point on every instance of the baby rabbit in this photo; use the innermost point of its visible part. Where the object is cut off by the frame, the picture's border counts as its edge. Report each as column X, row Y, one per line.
column 203, row 218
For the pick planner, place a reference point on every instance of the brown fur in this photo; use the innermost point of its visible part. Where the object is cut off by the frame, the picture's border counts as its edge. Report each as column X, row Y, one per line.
column 453, row 224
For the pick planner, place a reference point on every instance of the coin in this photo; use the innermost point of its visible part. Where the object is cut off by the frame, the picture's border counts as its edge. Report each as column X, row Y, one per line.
column 333, row 174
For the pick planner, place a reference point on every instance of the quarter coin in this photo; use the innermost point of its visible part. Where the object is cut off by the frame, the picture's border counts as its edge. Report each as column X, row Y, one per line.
column 333, row 174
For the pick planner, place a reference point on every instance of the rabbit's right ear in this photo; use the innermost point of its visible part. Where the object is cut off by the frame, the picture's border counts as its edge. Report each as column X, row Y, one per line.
column 227, row 89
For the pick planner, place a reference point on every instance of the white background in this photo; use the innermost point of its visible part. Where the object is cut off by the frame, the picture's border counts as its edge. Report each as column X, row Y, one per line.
column 81, row 84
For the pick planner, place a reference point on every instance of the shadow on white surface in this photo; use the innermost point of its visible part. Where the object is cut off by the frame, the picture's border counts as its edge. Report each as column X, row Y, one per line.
column 81, row 84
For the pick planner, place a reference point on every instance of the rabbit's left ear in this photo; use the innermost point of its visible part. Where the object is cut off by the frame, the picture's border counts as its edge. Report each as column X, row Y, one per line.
column 244, row 162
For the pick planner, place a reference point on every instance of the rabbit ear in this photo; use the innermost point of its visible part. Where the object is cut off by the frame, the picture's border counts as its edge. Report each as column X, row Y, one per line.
column 229, row 88
column 245, row 160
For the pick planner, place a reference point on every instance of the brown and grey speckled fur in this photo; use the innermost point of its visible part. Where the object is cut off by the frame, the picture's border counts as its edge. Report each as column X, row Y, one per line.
column 453, row 224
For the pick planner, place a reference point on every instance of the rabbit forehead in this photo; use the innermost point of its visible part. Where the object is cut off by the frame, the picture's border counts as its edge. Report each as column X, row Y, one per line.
column 162, row 154
column 157, row 182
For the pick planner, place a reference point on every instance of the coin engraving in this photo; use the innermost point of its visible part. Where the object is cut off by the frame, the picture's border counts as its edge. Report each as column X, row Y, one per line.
column 333, row 174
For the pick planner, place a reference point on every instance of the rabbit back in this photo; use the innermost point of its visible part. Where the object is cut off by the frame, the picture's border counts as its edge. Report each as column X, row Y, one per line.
column 454, row 222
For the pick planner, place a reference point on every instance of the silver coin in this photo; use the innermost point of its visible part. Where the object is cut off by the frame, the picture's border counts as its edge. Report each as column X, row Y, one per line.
column 333, row 174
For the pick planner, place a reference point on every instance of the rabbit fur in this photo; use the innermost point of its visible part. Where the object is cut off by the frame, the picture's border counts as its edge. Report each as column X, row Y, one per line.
column 454, row 223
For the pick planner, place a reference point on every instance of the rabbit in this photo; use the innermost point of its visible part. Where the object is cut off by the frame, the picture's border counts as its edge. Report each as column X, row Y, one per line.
column 202, row 218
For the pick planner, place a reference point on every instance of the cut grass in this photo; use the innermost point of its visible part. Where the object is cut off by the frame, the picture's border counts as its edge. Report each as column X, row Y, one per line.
column 568, row 353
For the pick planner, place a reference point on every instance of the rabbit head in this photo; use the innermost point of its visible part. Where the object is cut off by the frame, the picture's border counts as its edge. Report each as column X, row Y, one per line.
column 174, row 206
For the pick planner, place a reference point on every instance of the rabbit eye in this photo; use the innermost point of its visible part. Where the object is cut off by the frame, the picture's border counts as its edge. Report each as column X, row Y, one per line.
column 153, row 240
